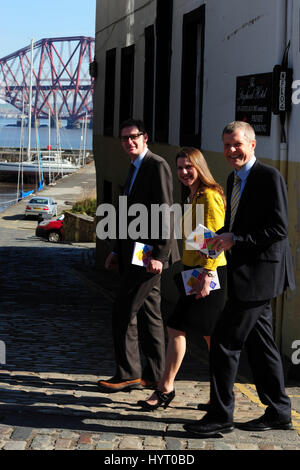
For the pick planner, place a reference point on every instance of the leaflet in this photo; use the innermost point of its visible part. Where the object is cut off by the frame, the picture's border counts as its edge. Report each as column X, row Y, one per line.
column 141, row 254
column 200, row 239
column 191, row 277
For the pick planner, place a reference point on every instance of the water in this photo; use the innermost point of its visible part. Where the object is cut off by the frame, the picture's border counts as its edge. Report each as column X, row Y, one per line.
column 10, row 137
column 69, row 138
column 8, row 194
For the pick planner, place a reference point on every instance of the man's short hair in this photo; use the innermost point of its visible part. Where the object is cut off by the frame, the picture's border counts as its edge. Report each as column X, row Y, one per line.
column 249, row 132
column 133, row 123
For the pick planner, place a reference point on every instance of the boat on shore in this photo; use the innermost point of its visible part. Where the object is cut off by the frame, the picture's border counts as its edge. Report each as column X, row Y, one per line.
column 51, row 165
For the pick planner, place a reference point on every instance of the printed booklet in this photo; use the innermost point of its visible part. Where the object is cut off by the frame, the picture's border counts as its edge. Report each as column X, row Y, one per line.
column 200, row 239
column 141, row 254
column 192, row 276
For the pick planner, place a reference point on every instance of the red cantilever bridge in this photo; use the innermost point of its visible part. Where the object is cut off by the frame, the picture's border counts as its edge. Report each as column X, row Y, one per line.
column 60, row 81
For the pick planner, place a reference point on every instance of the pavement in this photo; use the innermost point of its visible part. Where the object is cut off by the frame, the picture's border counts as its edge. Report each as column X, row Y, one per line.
column 55, row 343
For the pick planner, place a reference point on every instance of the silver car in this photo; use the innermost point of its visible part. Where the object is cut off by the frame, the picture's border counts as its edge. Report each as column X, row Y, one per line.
column 43, row 207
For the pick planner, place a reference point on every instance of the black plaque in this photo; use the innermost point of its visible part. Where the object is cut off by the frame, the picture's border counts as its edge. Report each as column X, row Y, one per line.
column 254, row 101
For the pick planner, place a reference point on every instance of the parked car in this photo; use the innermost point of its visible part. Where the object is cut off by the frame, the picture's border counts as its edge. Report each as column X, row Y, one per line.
column 44, row 207
column 52, row 230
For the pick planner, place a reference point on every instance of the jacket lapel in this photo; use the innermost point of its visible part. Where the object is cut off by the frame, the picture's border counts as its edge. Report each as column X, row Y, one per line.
column 140, row 176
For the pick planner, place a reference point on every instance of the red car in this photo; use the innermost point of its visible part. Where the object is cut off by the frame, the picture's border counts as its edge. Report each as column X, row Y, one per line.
column 52, row 230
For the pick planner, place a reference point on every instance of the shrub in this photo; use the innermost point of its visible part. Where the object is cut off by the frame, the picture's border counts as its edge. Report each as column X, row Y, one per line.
column 87, row 206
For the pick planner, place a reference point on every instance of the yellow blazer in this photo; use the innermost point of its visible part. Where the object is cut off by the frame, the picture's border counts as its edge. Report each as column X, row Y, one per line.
column 214, row 214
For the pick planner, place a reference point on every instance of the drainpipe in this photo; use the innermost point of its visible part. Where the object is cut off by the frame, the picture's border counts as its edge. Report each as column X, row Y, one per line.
column 283, row 155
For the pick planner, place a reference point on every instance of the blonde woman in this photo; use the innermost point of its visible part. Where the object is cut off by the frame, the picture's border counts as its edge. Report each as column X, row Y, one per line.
column 200, row 311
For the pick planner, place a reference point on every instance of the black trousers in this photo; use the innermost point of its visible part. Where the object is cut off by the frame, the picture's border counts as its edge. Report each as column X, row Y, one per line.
column 137, row 325
column 249, row 325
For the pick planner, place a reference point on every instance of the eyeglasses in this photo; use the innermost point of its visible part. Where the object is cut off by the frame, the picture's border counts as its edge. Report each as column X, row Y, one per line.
column 134, row 137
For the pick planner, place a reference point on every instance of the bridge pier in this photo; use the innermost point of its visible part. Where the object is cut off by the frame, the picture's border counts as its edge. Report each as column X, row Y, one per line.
column 53, row 122
column 73, row 123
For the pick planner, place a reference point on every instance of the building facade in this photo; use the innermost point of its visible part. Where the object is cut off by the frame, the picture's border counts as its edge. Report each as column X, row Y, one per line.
column 188, row 67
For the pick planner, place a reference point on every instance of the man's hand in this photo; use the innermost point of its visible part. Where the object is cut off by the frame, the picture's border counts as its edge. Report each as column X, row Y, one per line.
column 111, row 261
column 222, row 242
column 154, row 266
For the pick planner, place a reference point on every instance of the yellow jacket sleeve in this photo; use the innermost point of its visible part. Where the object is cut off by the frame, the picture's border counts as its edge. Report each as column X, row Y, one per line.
column 214, row 213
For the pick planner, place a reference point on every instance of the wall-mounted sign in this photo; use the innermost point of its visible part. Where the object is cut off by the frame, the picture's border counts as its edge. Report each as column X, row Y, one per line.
column 254, row 101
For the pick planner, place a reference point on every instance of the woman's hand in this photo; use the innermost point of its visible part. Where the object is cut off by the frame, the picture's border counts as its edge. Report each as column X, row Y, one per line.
column 202, row 289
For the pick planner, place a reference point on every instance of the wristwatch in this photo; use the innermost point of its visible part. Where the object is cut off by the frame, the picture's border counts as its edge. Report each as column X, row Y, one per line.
column 209, row 273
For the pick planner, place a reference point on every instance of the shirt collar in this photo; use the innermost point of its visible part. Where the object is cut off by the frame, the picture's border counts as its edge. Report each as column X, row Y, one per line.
column 138, row 161
column 245, row 170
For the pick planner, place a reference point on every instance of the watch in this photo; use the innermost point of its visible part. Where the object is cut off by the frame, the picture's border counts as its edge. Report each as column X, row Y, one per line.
column 209, row 273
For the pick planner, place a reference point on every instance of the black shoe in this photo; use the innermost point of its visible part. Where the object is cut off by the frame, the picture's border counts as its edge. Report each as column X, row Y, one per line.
column 206, row 428
column 163, row 399
column 265, row 424
column 203, row 406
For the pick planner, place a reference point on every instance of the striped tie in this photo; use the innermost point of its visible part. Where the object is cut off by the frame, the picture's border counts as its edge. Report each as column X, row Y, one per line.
column 235, row 199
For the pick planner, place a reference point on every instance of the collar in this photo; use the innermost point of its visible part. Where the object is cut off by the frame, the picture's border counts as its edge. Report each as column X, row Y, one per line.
column 138, row 161
column 245, row 170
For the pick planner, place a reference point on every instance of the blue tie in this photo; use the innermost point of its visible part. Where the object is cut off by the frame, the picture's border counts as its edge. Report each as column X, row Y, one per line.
column 129, row 178
column 235, row 199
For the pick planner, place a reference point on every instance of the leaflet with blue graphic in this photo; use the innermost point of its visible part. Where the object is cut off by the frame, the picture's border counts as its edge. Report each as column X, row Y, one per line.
column 200, row 240
column 191, row 278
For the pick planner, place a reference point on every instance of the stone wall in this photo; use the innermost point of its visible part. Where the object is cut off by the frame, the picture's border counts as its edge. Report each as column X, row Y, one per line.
column 79, row 228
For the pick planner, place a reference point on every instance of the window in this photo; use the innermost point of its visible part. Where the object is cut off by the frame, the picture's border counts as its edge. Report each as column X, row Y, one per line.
column 109, row 98
column 192, row 77
column 149, row 80
column 127, row 83
column 164, row 19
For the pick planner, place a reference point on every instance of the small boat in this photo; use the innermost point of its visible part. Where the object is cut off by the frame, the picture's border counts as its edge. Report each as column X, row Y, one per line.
column 50, row 164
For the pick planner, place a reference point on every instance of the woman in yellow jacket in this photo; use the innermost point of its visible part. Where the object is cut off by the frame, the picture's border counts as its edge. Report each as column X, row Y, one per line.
column 199, row 311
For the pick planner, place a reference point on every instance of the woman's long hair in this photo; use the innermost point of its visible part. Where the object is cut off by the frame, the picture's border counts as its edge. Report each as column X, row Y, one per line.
column 206, row 179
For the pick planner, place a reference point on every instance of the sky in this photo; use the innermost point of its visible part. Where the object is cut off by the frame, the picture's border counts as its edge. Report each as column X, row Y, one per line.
column 23, row 20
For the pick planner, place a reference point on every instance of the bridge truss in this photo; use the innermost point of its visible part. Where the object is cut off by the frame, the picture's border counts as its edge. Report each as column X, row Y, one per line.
column 60, row 82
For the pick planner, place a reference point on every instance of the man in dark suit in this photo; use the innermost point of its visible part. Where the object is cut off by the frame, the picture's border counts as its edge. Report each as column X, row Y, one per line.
column 255, row 236
column 137, row 318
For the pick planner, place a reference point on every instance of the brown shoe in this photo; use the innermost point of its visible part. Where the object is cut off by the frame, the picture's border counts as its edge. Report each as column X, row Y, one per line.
column 114, row 385
column 145, row 383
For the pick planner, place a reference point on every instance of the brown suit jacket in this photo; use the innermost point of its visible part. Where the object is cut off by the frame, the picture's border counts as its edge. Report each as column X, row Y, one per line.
column 153, row 185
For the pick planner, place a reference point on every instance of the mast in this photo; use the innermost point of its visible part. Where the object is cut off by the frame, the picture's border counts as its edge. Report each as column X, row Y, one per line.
column 49, row 145
column 20, row 172
column 85, row 138
column 30, row 103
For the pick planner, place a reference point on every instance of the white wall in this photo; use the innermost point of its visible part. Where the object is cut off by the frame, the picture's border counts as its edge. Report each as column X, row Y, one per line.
column 241, row 38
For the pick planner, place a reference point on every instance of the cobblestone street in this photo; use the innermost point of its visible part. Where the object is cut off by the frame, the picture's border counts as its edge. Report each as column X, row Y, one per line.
column 55, row 324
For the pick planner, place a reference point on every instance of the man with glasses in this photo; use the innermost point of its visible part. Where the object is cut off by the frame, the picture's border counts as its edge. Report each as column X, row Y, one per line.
column 137, row 321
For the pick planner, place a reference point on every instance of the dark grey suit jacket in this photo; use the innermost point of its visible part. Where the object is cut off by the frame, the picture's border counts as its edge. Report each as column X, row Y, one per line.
column 260, row 263
column 152, row 185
